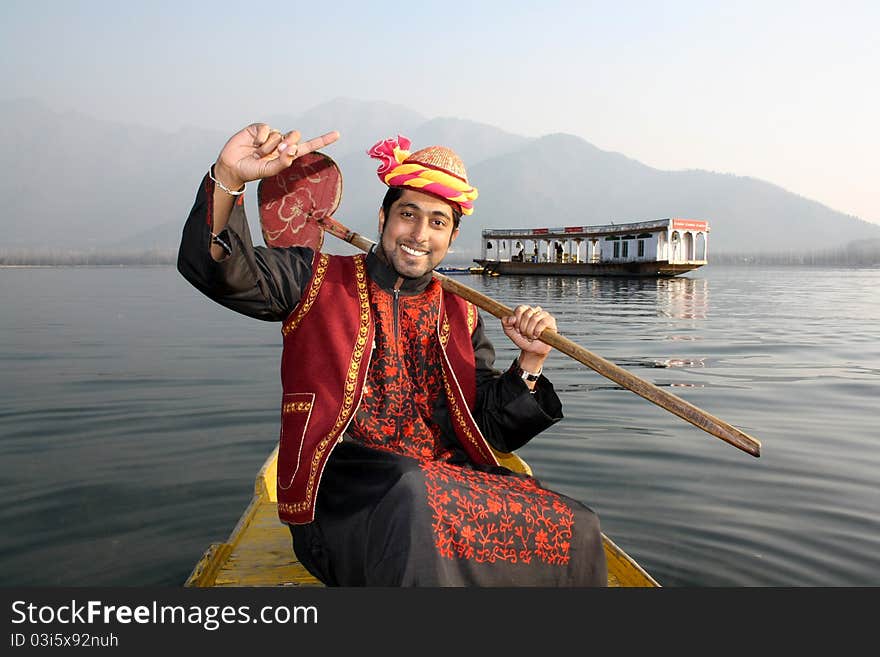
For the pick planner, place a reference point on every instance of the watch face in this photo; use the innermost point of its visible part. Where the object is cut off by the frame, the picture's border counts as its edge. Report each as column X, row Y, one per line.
column 527, row 376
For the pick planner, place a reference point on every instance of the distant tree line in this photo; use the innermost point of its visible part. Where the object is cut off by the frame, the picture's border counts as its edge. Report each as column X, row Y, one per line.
column 854, row 254
column 67, row 257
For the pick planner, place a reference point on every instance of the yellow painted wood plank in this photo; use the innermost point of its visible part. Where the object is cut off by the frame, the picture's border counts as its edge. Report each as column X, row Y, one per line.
column 263, row 555
column 622, row 570
column 205, row 571
column 267, row 478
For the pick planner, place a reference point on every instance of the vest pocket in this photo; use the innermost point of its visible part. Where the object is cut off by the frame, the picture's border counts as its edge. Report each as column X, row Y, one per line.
column 296, row 411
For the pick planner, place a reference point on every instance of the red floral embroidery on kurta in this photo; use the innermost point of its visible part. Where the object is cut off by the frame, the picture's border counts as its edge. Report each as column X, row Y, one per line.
column 488, row 517
column 405, row 378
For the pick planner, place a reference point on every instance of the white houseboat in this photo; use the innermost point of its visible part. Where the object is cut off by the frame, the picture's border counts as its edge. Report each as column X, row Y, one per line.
column 665, row 247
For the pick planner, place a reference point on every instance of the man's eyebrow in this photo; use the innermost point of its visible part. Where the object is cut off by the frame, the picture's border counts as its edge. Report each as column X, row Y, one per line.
column 416, row 206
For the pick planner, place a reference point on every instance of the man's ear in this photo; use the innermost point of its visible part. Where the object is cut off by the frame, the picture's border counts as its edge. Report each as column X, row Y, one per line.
column 381, row 219
column 454, row 235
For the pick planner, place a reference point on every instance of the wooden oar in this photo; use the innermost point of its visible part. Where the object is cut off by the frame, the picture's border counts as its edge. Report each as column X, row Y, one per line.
column 312, row 189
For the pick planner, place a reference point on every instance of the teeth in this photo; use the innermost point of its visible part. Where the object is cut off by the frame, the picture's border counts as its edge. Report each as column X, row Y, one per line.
column 412, row 252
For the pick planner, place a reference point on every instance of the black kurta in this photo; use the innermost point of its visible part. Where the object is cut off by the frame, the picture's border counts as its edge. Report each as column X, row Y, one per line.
column 399, row 502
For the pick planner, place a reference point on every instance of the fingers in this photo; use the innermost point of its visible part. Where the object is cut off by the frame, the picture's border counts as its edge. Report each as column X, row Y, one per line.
column 531, row 321
column 260, row 132
column 299, row 149
column 288, row 142
column 269, row 142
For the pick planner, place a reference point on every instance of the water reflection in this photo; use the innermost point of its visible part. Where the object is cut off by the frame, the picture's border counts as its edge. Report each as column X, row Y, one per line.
column 683, row 298
column 676, row 298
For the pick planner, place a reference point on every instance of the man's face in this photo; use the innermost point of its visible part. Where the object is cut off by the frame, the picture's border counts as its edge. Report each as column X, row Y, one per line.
column 417, row 233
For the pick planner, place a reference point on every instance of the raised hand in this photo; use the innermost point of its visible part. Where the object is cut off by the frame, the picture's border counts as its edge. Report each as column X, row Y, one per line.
column 260, row 151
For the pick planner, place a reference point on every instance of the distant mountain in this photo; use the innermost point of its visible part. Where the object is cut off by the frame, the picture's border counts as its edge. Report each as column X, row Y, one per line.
column 361, row 123
column 76, row 182
column 72, row 181
column 561, row 180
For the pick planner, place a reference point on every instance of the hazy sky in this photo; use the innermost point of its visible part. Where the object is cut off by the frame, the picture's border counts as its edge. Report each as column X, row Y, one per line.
column 783, row 91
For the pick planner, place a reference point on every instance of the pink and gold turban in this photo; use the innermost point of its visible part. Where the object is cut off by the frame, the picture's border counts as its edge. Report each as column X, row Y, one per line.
column 435, row 169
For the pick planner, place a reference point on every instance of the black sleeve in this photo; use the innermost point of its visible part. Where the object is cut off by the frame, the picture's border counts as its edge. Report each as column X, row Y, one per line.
column 507, row 412
column 260, row 282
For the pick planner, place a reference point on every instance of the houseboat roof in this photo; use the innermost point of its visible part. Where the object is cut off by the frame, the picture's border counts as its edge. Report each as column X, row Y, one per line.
column 569, row 232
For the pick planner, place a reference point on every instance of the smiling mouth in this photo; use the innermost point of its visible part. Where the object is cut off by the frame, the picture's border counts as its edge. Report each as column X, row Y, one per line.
column 411, row 251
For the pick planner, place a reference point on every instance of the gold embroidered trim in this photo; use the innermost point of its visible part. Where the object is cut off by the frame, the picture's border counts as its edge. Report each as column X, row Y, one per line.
column 458, row 416
column 296, row 407
column 444, row 331
column 471, row 317
column 306, row 305
column 350, row 389
column 292, row 508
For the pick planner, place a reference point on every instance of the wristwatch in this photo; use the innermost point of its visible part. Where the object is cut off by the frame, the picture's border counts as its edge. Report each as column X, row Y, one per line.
column 526, row 375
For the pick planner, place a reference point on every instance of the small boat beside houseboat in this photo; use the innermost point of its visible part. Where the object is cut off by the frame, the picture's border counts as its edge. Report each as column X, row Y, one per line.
column 664, row 247
column 259, row 550
column 454, row 271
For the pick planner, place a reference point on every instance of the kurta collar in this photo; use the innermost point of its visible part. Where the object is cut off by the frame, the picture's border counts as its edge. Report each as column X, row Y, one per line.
column 385, row 276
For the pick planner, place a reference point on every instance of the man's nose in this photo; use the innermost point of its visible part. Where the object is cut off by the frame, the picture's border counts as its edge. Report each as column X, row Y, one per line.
column 420, row 230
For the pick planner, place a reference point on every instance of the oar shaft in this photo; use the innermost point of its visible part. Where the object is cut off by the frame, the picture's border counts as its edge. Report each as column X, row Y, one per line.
column 336, row 229
column 609, row 370
column 676, row 405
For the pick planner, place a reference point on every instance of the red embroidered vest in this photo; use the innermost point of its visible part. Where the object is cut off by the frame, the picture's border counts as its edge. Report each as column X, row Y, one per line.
column 328, row 340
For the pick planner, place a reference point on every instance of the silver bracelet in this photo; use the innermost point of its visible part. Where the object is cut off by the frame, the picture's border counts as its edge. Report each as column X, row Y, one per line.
column 224, row 187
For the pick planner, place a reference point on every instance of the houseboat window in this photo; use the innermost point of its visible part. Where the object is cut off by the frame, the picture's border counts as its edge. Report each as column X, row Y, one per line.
column 612, row 238
column 617, row 249
column 646, row 236
column 701, row 246
column 641, row 249
column 625, row 253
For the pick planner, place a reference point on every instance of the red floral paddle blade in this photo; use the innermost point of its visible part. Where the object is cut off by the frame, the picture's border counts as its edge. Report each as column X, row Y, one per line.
column 292, row 202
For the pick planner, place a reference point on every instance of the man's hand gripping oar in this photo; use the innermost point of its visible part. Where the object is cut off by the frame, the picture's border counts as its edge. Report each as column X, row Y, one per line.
column 297, row 205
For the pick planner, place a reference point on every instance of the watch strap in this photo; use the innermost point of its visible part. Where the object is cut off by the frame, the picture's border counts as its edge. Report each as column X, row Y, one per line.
column 525, row 375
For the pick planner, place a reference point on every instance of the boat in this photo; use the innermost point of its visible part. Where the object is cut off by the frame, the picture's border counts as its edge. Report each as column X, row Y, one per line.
column 259, row 550
column 453, row 271
column 659, row 248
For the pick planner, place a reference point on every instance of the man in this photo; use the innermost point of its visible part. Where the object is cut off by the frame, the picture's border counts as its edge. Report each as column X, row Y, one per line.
column 393, row 418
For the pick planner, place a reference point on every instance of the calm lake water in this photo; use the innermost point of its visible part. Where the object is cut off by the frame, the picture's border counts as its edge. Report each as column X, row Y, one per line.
column 135, row 413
